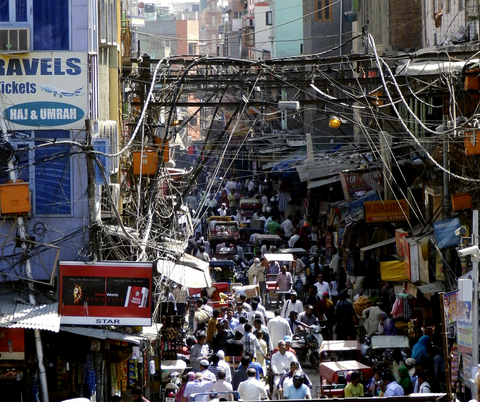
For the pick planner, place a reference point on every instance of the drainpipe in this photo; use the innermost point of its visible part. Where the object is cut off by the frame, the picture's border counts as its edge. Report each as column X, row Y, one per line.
column 22, row 233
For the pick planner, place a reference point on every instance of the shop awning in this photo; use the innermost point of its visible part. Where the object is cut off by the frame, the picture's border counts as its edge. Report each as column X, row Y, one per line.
column 435, row 287
column 102, row 334
column 325, row 182
column 188, row 271
column 19, row 314
column 379, row 244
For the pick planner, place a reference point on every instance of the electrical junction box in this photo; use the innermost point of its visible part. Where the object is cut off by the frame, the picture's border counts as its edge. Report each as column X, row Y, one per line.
column 465, row 288
column 14, row 198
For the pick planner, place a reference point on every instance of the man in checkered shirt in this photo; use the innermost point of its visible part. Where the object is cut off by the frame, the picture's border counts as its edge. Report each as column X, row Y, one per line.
column 250, row 342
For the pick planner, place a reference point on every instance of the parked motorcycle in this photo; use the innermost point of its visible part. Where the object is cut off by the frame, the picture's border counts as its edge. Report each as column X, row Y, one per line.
column 172, row 387
column 307, row 346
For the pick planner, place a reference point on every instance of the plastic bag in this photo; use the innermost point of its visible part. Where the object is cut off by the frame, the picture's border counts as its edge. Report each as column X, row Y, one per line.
column 397, row 309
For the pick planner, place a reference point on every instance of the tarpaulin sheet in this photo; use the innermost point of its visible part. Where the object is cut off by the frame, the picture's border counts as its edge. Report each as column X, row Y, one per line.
column 393, row 271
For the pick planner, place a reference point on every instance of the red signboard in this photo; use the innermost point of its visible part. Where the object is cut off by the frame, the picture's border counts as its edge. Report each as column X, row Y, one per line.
column 354, row 181
column 12, row 344
column 105, row 293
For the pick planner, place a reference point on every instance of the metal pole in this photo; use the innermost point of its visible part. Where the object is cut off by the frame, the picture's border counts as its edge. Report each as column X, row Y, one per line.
column 22, row 233
column 474, row 303
column 446, row 355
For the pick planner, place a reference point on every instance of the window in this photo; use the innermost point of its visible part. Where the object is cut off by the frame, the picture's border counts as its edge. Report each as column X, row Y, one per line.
column 192, row 48
column 53, row 176
column 13, row 11
column 323, row 10
column 50, row 25
column 269, row 18
column 48, row 172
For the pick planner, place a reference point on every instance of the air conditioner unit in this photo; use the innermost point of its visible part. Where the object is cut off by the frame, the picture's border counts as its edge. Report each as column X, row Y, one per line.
column 14, row 40
column 106, row 207
column 108, row 129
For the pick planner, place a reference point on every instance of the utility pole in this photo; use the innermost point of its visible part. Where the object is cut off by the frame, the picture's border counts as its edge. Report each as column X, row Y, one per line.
column 474, row 303
column 22, row 234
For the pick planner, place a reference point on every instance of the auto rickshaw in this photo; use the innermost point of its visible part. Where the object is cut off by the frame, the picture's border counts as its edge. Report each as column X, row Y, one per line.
column 333, row 377
column 382, row 347
column 270, row 240
column 248, row 206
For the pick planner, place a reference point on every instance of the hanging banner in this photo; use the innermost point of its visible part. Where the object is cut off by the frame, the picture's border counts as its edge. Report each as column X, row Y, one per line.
column 445, row 232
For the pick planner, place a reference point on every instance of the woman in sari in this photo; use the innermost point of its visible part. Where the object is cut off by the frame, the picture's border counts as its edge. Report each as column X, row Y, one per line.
column 386, row 326
column 180, row 397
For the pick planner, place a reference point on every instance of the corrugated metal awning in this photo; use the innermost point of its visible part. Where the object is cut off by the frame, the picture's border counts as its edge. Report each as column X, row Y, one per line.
column 15, row 313
column 102, row 334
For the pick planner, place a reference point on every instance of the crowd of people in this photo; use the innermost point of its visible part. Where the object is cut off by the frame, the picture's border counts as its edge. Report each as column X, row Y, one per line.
column 245, row 348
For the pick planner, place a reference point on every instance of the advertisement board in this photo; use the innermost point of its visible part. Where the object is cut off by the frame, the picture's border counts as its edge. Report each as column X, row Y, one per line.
column 354, row 181
column 105, row 293
column 44, row 90
column 464, row 322
column 12, row 344
column 386, row 211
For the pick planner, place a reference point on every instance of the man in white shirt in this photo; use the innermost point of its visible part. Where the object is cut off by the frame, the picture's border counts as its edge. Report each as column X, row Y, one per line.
column 287, row 226
column 222, row 385
column 225, row 366
column 424, row 387
column 293, row 240
column 322, row 286
column 206, row 374
column 393, row 388
column 281, row 362
column 292, row 304
column 252, row 389
column 198, row 386
column 278, row 328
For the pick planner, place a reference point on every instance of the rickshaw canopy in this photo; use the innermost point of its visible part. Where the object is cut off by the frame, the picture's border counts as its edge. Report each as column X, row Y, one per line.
column 330, row 371
column 279, row 257
column 390, row 342
column 219, row 218
column 339, row 346
column 267, row 237
column 292, row 250
column 244, row 201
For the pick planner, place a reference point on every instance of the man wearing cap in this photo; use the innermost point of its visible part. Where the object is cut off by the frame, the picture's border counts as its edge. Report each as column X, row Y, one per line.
column 222, row 211
column 292, row 304
column 224, row 366
column 207, row 375
column 251, row 389
column 198, row 386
